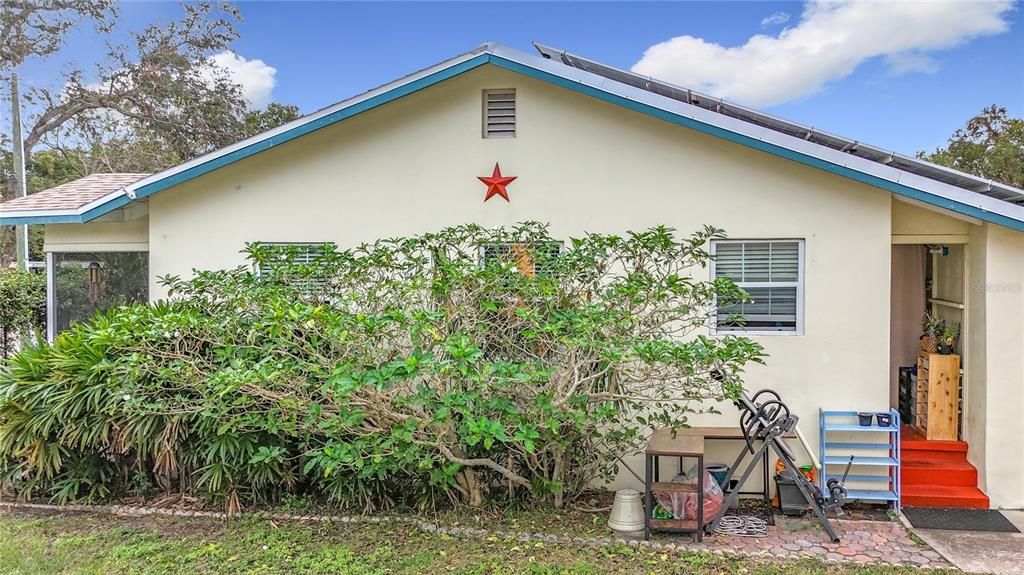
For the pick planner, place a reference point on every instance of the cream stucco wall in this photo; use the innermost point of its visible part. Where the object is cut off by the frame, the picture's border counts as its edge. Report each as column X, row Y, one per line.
column 582, row 165
column 915, row 223
column 128, row 235
column 974, row 350
column 994, row 426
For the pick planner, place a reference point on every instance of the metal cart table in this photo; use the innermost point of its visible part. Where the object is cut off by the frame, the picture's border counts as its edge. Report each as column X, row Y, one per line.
column 670, row 443
column 736, row 434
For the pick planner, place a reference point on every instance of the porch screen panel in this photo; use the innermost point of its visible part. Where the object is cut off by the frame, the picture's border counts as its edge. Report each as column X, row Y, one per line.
column 87, row 283
column 770, row 272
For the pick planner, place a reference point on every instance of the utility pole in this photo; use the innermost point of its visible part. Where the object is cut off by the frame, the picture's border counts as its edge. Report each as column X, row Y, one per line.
column 20, row 189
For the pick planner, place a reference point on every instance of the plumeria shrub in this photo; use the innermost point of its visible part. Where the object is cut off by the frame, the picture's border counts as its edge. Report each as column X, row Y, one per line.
column 460, row 366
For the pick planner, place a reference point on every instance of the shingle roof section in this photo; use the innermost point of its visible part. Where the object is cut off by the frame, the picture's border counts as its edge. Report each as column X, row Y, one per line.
column 73, row 194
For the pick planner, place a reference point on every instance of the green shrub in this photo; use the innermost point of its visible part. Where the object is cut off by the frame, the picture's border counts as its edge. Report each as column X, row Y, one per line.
column 403, row 371
column 22, row 308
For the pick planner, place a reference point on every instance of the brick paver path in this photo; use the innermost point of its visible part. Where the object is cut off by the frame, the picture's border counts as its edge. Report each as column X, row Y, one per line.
column 862, row 542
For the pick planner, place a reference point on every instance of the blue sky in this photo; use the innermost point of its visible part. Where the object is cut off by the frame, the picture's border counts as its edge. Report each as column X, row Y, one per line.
column 325, row 52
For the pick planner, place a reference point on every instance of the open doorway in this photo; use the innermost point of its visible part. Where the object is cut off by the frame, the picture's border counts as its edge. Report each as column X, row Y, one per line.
column 925, row 279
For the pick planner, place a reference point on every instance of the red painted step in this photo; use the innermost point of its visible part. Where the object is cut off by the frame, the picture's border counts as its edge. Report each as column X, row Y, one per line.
column 937, row 473
column 948, row 456
column 924, row 470
column 944, row 496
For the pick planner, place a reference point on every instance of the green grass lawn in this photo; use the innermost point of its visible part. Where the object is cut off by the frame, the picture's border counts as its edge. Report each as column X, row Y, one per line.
column 93, row 543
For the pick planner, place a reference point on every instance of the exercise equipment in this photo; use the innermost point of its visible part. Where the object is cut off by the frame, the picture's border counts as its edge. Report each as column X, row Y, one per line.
column 764, row 420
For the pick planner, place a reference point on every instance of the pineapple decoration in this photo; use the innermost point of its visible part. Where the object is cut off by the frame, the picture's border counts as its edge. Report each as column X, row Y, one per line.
column 939, row 336
column 932, row 326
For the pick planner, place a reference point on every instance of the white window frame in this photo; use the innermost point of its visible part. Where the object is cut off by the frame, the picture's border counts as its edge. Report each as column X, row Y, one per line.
column 51, row 298
column 799, row 284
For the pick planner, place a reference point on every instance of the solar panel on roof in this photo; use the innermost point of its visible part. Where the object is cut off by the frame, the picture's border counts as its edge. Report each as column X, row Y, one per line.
column 912, row 165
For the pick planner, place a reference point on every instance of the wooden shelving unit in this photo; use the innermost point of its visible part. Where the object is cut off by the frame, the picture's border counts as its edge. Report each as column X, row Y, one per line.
column 938, row 391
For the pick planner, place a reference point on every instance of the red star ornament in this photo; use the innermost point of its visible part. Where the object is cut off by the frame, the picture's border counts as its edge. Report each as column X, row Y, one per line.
column 496, row 183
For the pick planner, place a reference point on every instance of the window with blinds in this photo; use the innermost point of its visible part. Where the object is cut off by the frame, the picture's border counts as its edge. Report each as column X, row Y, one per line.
column 499, row 113
column 298, row 254
column 771, row 272
column 531, row 260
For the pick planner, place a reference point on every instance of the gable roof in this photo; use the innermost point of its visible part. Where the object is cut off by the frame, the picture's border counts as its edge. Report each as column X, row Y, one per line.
column 637, row 93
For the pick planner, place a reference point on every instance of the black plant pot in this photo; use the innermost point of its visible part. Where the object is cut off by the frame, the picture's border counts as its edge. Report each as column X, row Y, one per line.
column 884, row 419
column 865, row 418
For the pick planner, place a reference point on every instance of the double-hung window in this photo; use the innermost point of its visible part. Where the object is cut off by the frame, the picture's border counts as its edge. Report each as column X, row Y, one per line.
column 281, row 255
column 530, row 260
column 771, row 272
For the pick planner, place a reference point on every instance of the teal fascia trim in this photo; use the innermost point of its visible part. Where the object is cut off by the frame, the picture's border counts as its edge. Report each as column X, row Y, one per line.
column 110, row 206
column 342, row 114
column 770, row 148
column 23, row 220
column 88, row 216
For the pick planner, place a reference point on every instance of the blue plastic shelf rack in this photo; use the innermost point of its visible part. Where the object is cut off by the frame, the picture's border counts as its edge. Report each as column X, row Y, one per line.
column 835, row 454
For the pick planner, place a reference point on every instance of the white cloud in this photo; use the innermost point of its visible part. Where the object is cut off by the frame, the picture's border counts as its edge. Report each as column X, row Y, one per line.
column 256, row 78
column 775, row 19
column 830, row 41
column 911, row 62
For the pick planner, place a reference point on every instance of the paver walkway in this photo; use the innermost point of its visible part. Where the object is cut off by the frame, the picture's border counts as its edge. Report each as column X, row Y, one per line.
column 862, row 542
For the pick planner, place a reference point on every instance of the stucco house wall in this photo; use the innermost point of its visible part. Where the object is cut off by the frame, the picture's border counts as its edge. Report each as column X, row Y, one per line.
column 993, row 425
column 915, row 223
column 127, row 235
column 583, row 165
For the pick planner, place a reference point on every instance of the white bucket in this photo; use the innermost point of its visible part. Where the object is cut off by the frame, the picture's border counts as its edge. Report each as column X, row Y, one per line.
column 627, row 516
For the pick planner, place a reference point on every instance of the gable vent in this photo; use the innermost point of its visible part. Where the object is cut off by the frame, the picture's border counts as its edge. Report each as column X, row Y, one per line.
column 499, row 113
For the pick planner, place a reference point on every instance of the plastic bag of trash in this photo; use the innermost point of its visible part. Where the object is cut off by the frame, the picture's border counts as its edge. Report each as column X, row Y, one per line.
column 672, row 503
column 713, row 500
